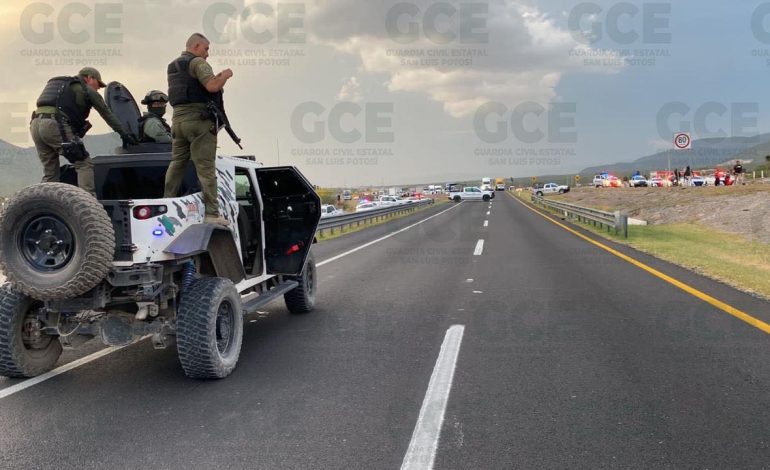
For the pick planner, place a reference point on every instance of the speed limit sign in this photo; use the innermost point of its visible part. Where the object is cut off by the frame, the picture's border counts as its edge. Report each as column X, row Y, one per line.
column 682, row 141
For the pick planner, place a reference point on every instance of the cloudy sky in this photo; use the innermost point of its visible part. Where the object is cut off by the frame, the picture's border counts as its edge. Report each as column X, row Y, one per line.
column 385, row 92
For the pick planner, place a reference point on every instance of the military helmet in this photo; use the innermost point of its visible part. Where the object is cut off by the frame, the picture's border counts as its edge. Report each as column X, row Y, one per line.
column 155, row 96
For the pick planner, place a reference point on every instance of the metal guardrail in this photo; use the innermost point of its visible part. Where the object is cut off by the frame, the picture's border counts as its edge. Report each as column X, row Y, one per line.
column 343, row 220
column 616, row 220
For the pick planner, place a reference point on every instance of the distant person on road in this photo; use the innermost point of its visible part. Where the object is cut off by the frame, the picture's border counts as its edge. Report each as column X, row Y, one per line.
column 687, row 175
column 738, row 172
column 192, row 84
column 60, row 121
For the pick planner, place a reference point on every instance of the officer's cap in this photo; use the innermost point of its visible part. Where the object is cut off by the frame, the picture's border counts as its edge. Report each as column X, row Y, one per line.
column 92, row 72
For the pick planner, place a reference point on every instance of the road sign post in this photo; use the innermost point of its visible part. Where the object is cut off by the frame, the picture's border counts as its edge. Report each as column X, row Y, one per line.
column 682, row 141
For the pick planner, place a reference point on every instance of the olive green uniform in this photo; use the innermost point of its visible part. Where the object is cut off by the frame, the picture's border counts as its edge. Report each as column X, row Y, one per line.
column 154, row 129
column 194, row 138
column 47, row 137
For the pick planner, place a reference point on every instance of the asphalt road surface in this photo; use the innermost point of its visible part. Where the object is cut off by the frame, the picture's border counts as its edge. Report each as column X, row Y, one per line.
column 556, row 354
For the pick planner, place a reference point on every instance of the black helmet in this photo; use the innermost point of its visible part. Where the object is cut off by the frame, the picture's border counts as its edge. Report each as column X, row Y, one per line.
column 155, row 96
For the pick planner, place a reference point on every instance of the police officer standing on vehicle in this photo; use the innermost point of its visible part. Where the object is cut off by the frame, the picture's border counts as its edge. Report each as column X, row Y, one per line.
column 191, row 85
column 152, row 126
column 60, row 121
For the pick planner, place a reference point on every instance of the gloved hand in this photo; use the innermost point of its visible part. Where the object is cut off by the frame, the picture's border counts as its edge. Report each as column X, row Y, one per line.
column 129, row 139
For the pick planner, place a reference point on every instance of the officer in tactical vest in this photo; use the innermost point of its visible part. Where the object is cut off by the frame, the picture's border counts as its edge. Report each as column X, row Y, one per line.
column 152, row 126
column 191, row 85
column 60, row 121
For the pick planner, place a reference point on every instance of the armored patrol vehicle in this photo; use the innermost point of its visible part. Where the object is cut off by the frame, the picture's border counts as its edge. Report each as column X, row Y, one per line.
column 132, row 264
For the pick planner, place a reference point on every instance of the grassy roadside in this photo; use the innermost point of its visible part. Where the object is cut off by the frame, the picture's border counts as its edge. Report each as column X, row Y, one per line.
column 737, row 262
column 327, row 235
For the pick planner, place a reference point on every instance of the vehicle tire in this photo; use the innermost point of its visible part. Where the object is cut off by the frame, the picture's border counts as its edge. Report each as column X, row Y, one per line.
column 209, row 328
column 561, row 191
column 24, row 350
column 457, row 199
column 56, row 241
column 485, row 198
column 539, row 193
column 301, row 299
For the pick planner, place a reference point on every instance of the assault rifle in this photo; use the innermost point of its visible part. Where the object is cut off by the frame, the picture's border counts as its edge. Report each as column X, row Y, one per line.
column 221, row 121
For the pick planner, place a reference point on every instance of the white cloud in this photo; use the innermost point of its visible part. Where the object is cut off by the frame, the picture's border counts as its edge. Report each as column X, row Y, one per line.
column 524, row 58
column 350, row 91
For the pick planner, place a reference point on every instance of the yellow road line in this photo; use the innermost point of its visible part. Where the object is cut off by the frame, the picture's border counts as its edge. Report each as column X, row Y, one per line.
column 741, row 315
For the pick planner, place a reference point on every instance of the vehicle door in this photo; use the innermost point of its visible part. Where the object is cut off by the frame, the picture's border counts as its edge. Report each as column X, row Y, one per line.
column 291, row 212
column 473, row 193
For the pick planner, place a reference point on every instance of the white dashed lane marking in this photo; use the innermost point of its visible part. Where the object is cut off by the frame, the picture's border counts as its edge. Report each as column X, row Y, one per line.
column 422, row 448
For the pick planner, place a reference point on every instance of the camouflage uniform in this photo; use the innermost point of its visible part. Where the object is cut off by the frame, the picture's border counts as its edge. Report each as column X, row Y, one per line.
column 194, row 138
column 153, row 128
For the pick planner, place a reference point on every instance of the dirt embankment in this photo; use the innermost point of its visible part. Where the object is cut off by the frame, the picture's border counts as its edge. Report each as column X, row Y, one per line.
column 743, row 210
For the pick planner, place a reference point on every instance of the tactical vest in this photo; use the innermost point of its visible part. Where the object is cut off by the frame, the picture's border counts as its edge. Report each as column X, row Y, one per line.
column 58, row 92
column 143, row 120
column 183, row 88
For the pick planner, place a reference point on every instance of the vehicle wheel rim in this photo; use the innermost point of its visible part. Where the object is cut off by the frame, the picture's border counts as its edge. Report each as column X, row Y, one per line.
column 225, row 327
column 32, row 336
column 47, row 243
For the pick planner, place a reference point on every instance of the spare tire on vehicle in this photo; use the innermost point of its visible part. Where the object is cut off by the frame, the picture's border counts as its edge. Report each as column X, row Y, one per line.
column 56, row 241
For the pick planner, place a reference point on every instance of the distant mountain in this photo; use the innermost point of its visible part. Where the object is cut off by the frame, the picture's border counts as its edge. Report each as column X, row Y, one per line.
column 20, row 167
column 705, row 153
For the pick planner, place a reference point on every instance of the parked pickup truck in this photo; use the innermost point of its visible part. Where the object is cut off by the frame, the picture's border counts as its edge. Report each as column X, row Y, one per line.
column 470, row 193
column 388, row 201
column 550, row 188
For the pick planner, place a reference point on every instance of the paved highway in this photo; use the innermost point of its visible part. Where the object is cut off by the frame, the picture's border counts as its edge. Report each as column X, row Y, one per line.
column 484, row 336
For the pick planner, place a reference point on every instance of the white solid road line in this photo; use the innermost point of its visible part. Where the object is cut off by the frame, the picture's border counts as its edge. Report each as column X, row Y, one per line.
column 479, row 248
column 8, row 391
column 92, row 357
column 334, row 258
column 486, row 223
column 422, row 448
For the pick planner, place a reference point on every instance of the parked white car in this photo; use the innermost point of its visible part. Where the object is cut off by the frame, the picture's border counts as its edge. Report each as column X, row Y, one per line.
column 388, row 201
column 367, row 206
column 328, row 210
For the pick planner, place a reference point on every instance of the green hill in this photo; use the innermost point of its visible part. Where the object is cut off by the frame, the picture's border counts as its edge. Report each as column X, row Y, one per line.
column 20, row 167
column 705, row 153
